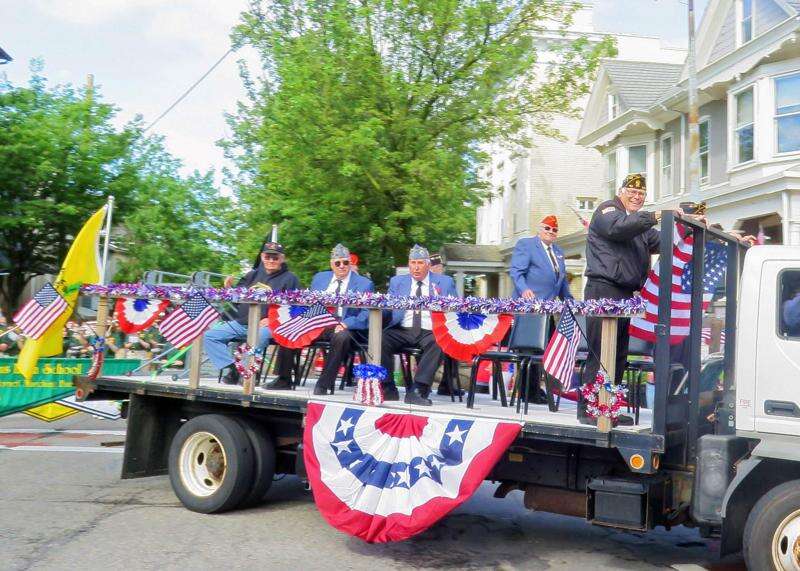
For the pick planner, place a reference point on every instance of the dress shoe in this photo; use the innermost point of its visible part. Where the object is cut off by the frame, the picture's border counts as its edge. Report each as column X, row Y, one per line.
column 390, row 392
column 321, row 389
column 444, row 390
column 623, row 420
column 413, row 397
column 280, row 383
column 231, row 377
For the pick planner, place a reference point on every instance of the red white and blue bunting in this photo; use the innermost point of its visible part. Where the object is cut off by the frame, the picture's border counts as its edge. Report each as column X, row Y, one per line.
column 383, row 476
column 464, row 335
column 138, row 314
column 280, row 315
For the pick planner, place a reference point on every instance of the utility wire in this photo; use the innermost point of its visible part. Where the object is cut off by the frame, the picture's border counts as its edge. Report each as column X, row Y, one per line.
column 188, row 91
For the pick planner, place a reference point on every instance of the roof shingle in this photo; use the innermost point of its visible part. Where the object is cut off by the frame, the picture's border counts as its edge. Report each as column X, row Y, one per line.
column 640, row 84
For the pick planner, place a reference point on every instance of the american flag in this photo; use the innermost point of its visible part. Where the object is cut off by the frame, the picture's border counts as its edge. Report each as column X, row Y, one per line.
column 188, row 321
column 316, row 318
column 39, row 313
column 559, row 356
column 705, row 335
column 714, row 265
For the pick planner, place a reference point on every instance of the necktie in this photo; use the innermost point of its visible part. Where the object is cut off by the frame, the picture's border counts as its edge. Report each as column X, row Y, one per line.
column 416, row 322
column 338, row 291
column 552, row 259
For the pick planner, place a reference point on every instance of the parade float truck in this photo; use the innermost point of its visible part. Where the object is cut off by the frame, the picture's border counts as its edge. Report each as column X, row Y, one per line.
column 717, row 450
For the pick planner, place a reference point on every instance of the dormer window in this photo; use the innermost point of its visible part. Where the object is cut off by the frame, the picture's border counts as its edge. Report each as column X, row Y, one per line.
column 745, row 21
column 613, row 105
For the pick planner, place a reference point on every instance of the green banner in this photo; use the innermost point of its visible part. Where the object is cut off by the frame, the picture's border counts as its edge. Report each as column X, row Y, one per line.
column 52, row 380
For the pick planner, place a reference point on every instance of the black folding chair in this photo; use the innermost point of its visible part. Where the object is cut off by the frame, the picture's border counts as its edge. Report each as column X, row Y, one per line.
column 531, row 334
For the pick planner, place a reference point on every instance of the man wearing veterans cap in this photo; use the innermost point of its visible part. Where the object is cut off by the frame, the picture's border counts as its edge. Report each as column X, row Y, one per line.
column 272, row 274
column 353, row 322
column 414, row 328
column 437, row 267
column 620, row 242
column 537, row 265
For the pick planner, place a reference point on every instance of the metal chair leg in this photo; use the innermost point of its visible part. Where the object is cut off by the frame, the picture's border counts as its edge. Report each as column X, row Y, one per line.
column 473, row 381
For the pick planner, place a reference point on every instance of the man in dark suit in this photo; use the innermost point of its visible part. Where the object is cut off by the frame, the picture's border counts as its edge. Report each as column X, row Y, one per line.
column 413, row 328
column 537, row 265
column 353, row 322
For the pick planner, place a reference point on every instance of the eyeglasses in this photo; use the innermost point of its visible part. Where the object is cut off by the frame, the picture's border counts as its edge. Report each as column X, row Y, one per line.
column 634, row 192
column 339, row 263
column 553, row 229
column 272, row 257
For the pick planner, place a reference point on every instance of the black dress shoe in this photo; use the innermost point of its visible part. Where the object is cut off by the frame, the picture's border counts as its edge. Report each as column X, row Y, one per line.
column 623, row 420
column 232, row 376
column 280, row 383
column 390, row 392
column 321, row 389
column 413, row 397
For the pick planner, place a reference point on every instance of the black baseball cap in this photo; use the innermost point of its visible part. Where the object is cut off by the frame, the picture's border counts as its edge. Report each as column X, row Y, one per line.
column 436, row 259
column 272, row 248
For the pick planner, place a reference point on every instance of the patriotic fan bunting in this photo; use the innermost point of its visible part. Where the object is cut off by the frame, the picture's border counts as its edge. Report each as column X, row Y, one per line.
column 386, row 476
column 138, row 314
column 464, row 335
column 297, row 326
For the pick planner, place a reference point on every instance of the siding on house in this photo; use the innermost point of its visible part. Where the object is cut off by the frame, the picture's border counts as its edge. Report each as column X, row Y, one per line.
column 726, row 40
column 767, row 15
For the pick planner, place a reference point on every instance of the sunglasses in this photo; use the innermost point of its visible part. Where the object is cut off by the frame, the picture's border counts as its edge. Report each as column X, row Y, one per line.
column 553, row 229
column 339, row 263
column 634, row 192
column 272, row 256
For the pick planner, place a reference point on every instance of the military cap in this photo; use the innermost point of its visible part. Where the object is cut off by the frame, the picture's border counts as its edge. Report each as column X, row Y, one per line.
column 551, row 221
column 436, row 260
column 418, row 253
column 272, row 248
column 340, row 251
column 636, row 181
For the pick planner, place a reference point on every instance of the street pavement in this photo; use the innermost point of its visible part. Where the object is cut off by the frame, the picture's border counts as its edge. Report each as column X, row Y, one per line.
column 63, row 506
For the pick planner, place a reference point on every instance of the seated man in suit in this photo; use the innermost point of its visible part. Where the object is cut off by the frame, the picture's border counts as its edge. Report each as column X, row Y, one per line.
column 354, row 322
column 537, row 265
column 413, row 328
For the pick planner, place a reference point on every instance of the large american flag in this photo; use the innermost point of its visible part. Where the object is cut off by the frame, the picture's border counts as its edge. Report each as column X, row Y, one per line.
column 188, row 321
column 40, row 312
column 716, row 256
column 559, row 356
column 316, row 318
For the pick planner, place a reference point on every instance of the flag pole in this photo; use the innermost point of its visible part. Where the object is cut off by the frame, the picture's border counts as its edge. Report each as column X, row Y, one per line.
column 102, row 302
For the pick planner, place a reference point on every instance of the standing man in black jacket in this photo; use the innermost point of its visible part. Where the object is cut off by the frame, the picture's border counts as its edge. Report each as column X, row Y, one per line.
column 621, row 240
column 272, row 274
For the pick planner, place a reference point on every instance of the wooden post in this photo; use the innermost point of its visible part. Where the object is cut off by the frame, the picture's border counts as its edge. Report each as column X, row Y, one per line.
column 608, row 358
column 102, row 316
column 253, row 317
column 375, row 335
column 195, row 360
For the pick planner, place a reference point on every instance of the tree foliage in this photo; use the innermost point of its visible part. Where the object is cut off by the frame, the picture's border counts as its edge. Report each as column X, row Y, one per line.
column 61, row 157
column 367, row 124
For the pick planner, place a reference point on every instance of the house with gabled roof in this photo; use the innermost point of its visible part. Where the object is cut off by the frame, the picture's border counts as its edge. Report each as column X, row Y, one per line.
column 748, row 72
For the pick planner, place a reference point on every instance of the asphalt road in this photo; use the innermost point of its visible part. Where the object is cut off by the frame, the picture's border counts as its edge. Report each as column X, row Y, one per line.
column 63, row 506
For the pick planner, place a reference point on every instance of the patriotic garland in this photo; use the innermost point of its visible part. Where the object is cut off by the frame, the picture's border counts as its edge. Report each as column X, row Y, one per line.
column 619, row 307
column 240, row 355
column 368, row 384
column 591, row 394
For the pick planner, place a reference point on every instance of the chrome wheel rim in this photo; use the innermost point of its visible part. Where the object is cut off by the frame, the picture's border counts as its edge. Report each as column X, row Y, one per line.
column 786, row 543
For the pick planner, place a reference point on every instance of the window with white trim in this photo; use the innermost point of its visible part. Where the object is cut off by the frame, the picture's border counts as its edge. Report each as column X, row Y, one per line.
column 745, row 21
column 666, row 166
column 703, row 151
column 787, row 113
column 744, row 132
column 637, row 159
column 613, row 105
column 611, row 173
column 586, row 203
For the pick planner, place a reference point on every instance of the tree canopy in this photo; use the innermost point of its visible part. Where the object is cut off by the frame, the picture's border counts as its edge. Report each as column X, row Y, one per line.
column 61, row 157
column 368, row 121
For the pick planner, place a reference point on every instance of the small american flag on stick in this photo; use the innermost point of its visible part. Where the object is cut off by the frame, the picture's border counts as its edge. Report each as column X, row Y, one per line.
column 188, row 321
column 39, row 313
column 302, row 329
column 559, row 356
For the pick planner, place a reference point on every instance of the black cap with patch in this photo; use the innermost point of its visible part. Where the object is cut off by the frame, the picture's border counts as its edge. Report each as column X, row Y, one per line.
column 272, row 248
column 436, row 259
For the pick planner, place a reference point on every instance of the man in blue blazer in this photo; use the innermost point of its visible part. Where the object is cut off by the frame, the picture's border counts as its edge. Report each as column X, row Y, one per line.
column 414, row 328
column 537, row 265
column 353, row 322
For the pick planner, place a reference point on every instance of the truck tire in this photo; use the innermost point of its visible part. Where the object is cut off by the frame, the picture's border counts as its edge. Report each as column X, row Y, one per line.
column 264, row 464
column 772, row 532
column 211, row 463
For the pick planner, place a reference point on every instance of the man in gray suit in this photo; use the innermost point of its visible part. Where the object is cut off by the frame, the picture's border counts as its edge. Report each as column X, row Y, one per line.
column 537, row 265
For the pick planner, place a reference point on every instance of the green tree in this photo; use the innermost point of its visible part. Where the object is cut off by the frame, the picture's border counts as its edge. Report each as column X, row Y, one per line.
column 61, row 157
column 368, row 123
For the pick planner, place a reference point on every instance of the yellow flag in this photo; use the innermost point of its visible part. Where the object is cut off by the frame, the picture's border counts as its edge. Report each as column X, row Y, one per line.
column 81, row 266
